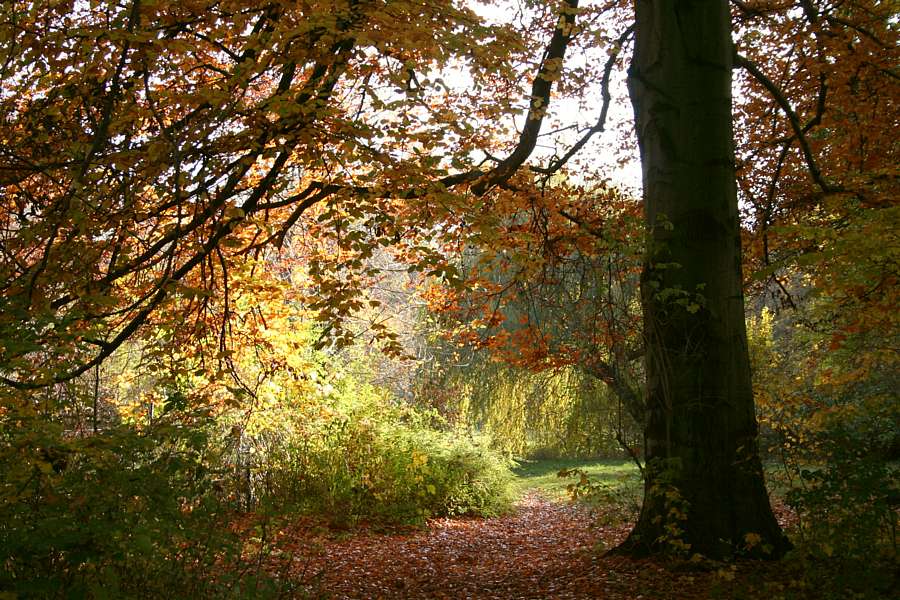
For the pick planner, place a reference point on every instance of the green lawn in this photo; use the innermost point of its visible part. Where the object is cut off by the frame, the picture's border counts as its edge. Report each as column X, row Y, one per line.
column 541, row 475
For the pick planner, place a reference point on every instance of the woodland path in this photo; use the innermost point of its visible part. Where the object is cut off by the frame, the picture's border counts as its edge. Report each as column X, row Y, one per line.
column 543, row 550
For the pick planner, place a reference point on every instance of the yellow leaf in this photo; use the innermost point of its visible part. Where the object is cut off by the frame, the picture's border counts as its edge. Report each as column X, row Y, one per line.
column 233, row 212
column 752, row 539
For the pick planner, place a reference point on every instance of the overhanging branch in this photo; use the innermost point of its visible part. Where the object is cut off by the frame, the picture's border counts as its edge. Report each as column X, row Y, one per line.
column 541, row 89
column 799, row 130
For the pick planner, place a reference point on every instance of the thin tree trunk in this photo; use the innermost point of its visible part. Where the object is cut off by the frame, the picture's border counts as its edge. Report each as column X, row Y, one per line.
column 94, row 417
column 704, row 489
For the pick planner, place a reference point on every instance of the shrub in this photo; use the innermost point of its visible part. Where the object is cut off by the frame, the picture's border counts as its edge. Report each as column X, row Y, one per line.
column 122, row 514
column 848, row 511
column 362, row 457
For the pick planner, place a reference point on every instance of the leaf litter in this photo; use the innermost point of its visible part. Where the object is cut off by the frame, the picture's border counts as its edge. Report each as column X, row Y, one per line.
column 544, row 549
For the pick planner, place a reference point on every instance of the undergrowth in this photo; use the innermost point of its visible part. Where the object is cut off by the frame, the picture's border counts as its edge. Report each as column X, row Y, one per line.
column 125, row 513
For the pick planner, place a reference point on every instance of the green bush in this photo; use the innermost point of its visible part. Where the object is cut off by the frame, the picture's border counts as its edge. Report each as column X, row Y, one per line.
column 826, row 400
column 121, row 514
column 445, row 473
column 365, row 458
column 847, row 505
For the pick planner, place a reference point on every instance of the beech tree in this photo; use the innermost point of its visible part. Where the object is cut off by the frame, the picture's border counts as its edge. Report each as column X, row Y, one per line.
column 704, row 489
column 704, row 485
column 814, row 178
column 701, row 429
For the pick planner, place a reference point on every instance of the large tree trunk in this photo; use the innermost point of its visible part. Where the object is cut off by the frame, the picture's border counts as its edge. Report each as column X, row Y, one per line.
column 704, row 489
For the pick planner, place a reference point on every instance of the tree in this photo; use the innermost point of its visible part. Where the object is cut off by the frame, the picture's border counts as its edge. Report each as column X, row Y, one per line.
column 704, row 486
column 552, row 292
column 704, row 489
column 824, row 217
column 145, row 143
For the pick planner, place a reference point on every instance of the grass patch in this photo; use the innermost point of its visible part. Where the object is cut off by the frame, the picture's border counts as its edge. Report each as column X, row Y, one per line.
column 542, row 475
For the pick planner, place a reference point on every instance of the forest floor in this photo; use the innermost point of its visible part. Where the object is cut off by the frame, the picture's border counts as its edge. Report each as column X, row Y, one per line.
column 546, row 548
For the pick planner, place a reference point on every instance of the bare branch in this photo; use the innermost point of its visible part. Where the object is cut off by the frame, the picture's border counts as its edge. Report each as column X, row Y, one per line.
column 541, row 89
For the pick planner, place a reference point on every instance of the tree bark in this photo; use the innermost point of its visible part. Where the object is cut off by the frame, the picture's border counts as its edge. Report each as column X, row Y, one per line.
column 704, row 486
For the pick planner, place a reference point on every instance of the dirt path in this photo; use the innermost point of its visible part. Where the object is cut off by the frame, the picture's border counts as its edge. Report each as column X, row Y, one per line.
column 543, row 550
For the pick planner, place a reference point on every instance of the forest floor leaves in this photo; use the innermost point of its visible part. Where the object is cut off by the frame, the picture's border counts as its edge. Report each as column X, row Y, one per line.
column 544, row 549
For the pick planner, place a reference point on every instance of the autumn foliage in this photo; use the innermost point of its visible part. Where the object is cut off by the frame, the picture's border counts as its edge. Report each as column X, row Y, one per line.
column 343, row 257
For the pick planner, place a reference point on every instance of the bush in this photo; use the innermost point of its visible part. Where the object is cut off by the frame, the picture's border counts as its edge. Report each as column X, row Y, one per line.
column 361, row 457
column 121, row 514
column 848, row 512
column 445, row 474
column 828, row 413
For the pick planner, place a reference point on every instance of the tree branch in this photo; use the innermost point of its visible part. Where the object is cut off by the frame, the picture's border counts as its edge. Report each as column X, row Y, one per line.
column 799, row 130
column 600, row 125
column 541, row 88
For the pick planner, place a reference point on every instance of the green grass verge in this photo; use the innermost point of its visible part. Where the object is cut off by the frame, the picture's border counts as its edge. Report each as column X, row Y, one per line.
column 542, row 475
